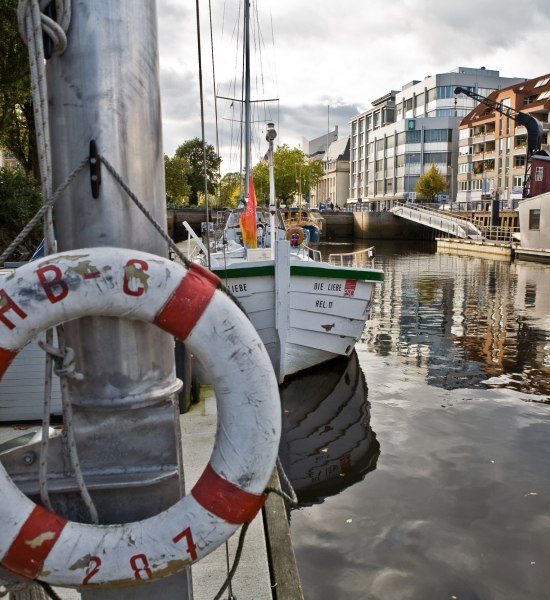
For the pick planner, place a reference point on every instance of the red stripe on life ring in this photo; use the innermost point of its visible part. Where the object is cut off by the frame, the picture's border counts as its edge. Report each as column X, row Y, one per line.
column 34, row 542
column 225, row 500
column 6, row 358
column 186, row 305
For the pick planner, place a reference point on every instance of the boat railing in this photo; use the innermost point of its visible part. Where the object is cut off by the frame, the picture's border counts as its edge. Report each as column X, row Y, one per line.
column 306, row 252
column 352, row 259
column 194, row 243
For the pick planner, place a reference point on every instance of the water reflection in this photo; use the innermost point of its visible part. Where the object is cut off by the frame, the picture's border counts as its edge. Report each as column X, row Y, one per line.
column 327, row 443
column 457, row 363
column 469, row 322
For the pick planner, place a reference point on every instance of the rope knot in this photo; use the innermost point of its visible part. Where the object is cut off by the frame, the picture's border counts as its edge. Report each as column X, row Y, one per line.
column 33, row 22
column 63, row 360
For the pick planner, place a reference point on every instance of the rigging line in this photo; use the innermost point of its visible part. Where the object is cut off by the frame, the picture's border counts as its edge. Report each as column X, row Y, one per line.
column 215, row 100
column 275, row 77
column 260, row 44
column 241, row 144
column 202, row 132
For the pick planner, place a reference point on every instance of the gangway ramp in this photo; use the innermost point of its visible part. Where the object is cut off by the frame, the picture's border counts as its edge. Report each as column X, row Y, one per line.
column 435, row 219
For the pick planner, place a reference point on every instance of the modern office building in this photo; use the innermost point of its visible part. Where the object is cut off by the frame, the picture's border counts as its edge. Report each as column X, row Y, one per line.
column 405, row 132
column 493, row 147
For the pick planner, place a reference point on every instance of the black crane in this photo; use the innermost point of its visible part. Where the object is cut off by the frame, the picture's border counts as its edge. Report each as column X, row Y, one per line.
column 532, row 125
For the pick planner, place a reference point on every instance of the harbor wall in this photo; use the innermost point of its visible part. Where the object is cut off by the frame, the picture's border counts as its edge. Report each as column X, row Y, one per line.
column 385, row 225
column 344, row 225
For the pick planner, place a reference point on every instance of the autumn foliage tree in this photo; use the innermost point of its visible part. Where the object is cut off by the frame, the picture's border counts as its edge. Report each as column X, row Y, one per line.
column 230, row 190
column 293, row 172
column 431, row 184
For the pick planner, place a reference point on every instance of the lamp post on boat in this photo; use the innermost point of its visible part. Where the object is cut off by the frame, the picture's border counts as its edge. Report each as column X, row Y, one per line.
column 270, row 137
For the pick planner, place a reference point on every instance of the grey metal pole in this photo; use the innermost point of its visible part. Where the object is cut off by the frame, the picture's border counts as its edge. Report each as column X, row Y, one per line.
column 247, row 119
column 270, row 137
column 105, row 88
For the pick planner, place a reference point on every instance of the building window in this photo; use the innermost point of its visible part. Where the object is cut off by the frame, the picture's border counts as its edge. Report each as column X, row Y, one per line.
column 445, row 91
column 414, row 137
column 539, row 171
column 412, row 158
column 438, row 135
column 443, row 158
column 534, row 218
column 518, row 181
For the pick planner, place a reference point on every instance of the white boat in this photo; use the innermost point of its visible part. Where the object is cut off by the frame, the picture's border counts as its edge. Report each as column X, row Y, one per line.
column 306, row 310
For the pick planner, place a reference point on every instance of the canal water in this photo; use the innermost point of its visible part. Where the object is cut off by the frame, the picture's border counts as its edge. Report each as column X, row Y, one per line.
column 422, row 465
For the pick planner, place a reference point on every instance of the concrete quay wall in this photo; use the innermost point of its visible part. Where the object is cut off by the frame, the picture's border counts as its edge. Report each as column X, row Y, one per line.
column 385, row 225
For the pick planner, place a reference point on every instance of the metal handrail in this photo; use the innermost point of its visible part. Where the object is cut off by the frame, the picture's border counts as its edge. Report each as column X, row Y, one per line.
column 305, row 251
column 192, row 252
column 351, row 257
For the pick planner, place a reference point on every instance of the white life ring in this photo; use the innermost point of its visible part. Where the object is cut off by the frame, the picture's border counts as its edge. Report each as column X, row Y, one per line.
column 37, row 543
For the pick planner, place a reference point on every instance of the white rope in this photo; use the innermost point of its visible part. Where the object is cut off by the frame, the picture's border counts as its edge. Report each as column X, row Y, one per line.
column 65, row 368
column 33, row 25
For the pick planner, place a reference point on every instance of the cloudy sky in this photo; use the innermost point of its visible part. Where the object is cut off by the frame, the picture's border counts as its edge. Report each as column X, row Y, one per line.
column 326, row 61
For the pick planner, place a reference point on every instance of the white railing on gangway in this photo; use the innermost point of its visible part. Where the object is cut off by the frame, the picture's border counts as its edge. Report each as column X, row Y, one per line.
column 461, row 228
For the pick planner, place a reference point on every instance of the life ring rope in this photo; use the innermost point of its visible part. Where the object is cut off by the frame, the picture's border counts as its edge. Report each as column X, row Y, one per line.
column 187, row 303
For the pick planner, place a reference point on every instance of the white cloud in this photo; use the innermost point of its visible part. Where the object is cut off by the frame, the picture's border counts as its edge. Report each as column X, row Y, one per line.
column 343, row 54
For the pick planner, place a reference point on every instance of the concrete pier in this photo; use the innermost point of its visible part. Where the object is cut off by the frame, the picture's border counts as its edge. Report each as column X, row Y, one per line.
column 267, row 569
column 493, row 250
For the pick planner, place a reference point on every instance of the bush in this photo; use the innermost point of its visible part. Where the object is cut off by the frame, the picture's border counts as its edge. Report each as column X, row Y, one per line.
column 20, row 199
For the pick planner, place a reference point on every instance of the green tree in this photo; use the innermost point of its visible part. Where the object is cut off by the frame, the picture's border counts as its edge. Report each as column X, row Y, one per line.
column 20, row 199
column 230, row 190
column 17, row 133
column 176, row 173
column 431, row 183
column 192, row 152
column 293, row 173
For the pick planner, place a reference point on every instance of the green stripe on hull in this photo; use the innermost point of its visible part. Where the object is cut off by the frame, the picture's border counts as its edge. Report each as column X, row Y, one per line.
column 329, row 271
column 304, row 270
column 259, row 271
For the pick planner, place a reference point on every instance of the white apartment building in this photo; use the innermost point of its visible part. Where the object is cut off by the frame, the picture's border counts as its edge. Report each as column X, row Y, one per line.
column 333, row 186
column 397, row 140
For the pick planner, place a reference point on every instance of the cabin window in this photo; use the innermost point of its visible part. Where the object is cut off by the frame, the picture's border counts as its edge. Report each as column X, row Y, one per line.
column 534, row 218
column 538, row 173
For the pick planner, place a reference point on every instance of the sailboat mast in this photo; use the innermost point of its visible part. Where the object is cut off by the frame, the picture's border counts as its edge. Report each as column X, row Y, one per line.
column 246, row 99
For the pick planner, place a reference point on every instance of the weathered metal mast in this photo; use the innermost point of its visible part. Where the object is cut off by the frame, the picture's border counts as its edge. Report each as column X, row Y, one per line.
column 105, row 88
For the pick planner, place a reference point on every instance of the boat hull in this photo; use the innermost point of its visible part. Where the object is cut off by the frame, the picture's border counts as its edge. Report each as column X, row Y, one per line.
column 314, row 233
column 299, row 314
